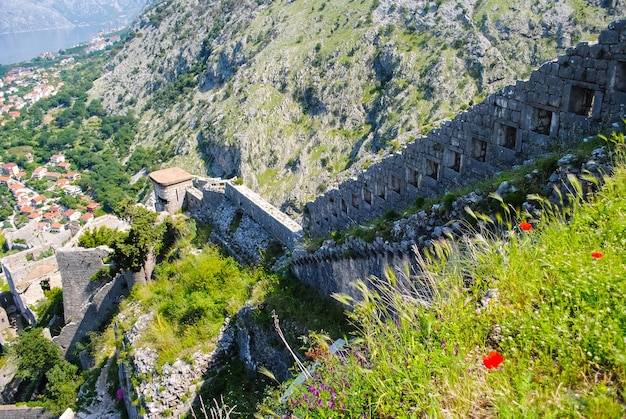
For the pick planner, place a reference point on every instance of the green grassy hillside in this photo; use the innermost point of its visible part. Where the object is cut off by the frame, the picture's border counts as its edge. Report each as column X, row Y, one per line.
column 529, row 322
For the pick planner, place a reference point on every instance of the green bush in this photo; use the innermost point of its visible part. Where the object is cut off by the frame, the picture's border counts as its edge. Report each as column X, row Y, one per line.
column 192, row 296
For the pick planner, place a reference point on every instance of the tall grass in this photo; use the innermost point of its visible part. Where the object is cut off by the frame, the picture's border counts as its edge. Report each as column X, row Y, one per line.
column 191, row 297
column 548, row 297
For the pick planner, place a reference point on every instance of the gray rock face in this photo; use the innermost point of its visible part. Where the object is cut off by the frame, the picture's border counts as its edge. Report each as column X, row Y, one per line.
column 172, row 389
column 259, row 345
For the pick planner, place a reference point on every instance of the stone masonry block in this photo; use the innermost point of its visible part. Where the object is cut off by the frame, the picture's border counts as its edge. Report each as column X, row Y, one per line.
column 575, row 61
column 580, row 73
column 555, row 88
column 566, row 72
column 555, row 101
column 591, row 76
column 597, row 51
column 608, row 37
column 601, row 64
column 582, row 49
column 616, row 49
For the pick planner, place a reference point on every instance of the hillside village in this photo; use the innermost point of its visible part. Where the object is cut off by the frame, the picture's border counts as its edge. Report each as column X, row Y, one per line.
column 40, row 204
column 23, row 86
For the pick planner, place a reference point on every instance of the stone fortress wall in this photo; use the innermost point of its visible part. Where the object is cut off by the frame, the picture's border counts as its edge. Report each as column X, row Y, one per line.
column 86, row 303
column 203, row 196
column 277, row 223
column 579, row 94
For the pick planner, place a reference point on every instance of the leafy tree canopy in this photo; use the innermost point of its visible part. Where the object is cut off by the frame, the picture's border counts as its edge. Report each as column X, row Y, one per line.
column 35, row 354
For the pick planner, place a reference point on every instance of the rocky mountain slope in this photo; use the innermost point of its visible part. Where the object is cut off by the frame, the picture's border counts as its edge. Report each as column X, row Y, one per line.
column 295, row 95
column 32, row 15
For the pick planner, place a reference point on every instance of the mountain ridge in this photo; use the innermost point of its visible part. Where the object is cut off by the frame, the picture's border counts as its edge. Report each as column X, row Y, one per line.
column 239, row 89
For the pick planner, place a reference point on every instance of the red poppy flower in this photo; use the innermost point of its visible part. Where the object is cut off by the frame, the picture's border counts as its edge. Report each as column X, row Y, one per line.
column 525, row 226
column 492, row 360
column 597, row 255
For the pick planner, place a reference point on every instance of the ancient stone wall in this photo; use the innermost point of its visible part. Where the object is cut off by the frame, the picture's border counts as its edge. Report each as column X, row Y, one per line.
column 77, row 268
column 171, row 198
column 278, row 224
column 205, row 196
column 25, row 278
column 335, row 269
column 577, row 95
column 86, row 303
column 23, row 412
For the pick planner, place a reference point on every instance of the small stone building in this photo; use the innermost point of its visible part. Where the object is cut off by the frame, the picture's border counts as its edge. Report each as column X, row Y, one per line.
column 170, row 188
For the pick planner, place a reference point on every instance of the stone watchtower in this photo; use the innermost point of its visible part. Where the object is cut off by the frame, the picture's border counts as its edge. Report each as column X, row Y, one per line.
column 170, row 188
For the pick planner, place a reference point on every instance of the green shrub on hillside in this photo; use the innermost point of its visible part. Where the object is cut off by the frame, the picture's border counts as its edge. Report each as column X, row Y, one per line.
column 191, row 297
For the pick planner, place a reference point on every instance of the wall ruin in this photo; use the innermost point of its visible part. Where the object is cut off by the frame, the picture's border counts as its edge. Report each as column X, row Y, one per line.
column 86, row 303
column 576, row 95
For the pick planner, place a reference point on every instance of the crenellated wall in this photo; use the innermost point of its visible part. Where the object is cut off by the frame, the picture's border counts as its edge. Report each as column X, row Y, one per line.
column 334, row 269
column 577, row 95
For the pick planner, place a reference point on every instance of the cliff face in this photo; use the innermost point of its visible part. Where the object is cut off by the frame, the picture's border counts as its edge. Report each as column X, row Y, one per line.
column 294, row 96
column 33, row 15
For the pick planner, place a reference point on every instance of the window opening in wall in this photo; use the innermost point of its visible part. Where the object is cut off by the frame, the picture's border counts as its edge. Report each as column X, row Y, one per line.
column 395, row 183
column 620, row 77
column 507, row 136
column 333, row 211
column 45, row 285
column 432, row 169
column 453, row 160
column 581, row 100
column 542, row 121
column 344, row 206
column 355, row 201
column 177, row 198
column 479, row 150
column 381, row 190
column 413, row 177
column 367, row 196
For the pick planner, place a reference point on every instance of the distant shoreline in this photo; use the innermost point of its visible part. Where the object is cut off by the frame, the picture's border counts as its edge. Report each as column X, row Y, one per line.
column 41, row 30
column 82, row 25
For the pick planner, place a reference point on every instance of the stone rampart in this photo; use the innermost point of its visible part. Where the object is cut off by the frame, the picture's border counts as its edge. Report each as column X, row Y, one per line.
column 279, row 225
column 86, row 303
column 577, row 95
column 24, row 412
column 25, row 276
column 334, row 269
